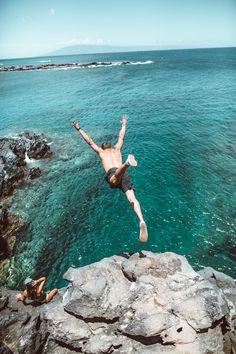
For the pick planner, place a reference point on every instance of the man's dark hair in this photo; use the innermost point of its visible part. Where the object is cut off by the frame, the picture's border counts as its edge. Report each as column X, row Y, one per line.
column 29, row 286
column 106, row 145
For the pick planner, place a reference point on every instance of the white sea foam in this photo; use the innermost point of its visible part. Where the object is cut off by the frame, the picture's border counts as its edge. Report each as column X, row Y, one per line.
column 28, row 160
column 118, row 63
column 45, row 61
column 142, row 62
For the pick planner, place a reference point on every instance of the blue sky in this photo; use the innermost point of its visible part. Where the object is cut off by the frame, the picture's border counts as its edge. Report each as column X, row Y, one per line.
column 30, row 27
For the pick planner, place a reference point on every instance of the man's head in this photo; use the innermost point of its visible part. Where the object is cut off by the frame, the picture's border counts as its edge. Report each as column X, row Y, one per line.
column 29, row 283
column 28, row 280
column 106, row 145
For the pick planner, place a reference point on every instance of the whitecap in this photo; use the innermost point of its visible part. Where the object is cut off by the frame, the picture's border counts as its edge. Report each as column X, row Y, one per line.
column 141, row 62
column 28, row 160
column 45, row 61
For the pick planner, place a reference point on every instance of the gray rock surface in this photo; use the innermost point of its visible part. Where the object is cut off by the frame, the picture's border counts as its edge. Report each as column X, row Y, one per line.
column 142, row 303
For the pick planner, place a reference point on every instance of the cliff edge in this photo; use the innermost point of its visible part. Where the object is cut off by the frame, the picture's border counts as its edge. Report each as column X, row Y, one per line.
column 143, row 303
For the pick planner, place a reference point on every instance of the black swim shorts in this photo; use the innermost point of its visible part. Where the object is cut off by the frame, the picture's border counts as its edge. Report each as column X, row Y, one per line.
column 125, row 183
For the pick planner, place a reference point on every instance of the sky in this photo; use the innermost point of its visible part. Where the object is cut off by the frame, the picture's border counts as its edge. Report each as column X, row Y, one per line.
column 33, row 27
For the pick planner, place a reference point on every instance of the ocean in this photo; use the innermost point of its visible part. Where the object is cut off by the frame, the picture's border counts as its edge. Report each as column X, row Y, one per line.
column 182, row 130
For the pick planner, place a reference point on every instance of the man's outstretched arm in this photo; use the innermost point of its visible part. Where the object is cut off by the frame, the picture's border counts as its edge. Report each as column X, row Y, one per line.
column 122, row 133
column 86, row 137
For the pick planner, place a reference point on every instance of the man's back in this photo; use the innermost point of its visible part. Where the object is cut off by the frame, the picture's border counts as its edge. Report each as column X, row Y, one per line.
column 116, row 174
column 110, row 158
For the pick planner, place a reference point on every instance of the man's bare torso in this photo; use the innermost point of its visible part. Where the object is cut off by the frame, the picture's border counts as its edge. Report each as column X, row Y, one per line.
column 110, row 158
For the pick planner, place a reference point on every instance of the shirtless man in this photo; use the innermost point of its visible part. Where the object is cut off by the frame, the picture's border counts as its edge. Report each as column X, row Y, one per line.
column 116, row 174
column 34, row 291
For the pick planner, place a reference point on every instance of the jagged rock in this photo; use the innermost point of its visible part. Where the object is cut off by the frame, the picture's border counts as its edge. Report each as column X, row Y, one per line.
column 4, row 219
column 3, row 300
column 93, row 291
column 142, row 303
column 35, row 172
column 4, row 223
column 65, row 328
column 12, row 159
column 36, row 146
column 4, row 249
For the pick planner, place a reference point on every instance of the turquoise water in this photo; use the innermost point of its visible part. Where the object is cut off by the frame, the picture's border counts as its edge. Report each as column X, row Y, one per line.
column 182, row 130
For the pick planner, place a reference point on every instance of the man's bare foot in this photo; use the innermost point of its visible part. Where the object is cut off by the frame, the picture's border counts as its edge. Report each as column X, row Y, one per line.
column 143, row 232
column 131, row 161
column 75, row 124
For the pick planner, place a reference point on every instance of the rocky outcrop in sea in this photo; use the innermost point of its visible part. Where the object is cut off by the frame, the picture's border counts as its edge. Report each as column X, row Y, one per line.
column 61, row 66
column 13, row 153
column 143, row 303
column 13, row 171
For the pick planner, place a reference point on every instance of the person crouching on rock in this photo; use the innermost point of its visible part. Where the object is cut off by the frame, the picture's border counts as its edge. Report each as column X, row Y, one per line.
column 34, row 291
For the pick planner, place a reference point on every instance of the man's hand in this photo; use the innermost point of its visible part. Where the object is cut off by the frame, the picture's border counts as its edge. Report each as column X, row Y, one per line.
column 75, row 124
column 124, row 120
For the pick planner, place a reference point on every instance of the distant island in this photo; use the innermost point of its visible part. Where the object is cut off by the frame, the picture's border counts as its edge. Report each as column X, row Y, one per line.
column 102, row 49
column 97, row 49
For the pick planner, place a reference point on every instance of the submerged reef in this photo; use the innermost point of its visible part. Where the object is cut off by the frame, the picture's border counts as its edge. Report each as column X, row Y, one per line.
column 14, row 153
column 141, row 303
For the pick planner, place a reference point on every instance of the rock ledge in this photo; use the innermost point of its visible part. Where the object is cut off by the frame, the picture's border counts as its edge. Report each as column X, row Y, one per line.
column 143, row 303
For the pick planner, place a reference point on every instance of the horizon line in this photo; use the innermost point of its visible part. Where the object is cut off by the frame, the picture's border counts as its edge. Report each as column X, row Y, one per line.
column 117, row 46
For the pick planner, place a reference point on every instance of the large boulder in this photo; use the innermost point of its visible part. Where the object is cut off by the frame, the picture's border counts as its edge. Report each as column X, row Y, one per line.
column 143, row 303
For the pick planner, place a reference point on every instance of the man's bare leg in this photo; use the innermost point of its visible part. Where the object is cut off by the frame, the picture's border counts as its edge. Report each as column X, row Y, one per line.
column 51, row 295
column 115, row 179
column 137, row 209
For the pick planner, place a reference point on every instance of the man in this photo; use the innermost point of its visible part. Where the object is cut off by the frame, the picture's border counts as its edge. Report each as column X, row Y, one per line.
column 34, row 291
column 116, row 174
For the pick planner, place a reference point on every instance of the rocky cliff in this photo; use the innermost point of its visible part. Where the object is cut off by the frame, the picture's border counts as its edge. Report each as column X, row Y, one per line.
column 14, row 153
column 143, row 303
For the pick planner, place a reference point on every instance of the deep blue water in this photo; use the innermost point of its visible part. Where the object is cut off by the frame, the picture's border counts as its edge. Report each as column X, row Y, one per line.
column 182, row 130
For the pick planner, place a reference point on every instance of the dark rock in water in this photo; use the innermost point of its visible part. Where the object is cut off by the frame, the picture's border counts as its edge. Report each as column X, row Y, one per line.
column 144, row 303
column 12, row 159
column 4, row 251
column 36, row 146
column 58, row 66
column 35, row 172
column 4, row 219
column 11, row 170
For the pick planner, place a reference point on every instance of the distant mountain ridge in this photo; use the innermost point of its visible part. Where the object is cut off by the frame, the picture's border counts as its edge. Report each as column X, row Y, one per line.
column 96, row 49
